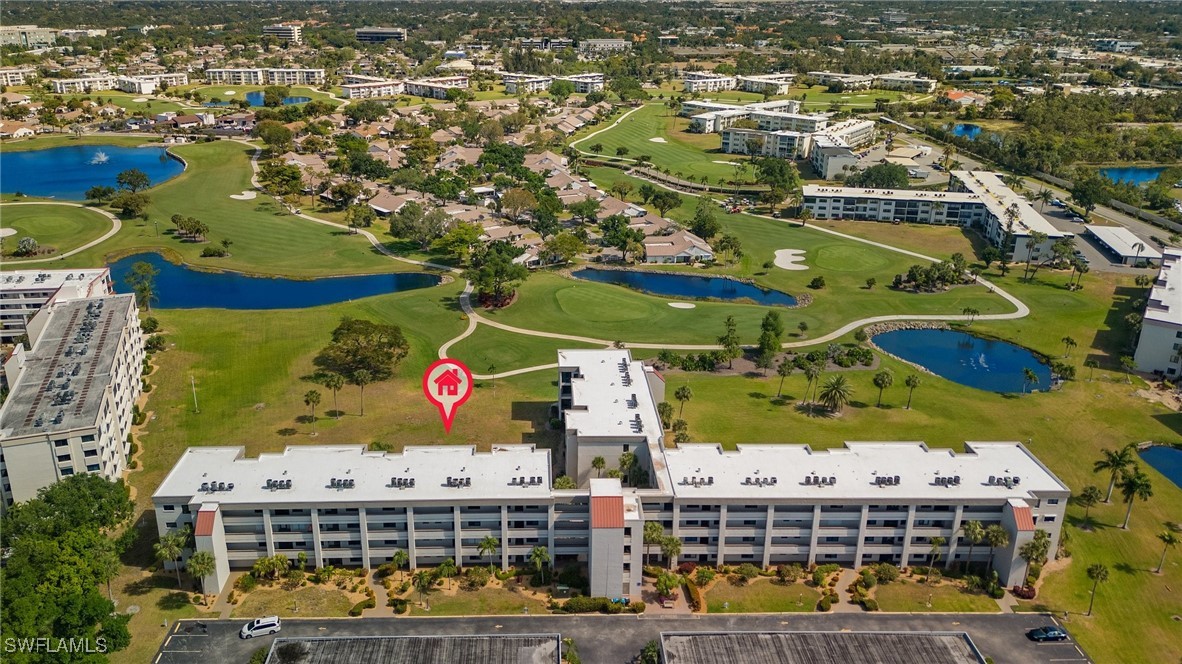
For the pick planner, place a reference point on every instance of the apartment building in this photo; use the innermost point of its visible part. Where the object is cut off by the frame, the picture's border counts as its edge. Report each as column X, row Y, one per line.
column 436, row 88
column 545, row 43
column 599, row 47
column 374, row 35
column 1010, row 220
column 1117, row 45
column 27, row 36
column 259, row 76
column 586, row 83
column 287, row 33
column 527, row 84
column 783, row 144
column 24, row 293
column 1159, row 348
column 763, row 504
column 707, row 81
column 776, row 84
column 95, row 82
column 908, row 81
column 846, row 81
column 712, row 117
column 16, row 75
column 357, row 86
column 69, row 408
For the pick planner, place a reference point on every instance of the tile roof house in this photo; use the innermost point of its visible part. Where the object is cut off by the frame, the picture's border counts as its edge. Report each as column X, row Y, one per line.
column 680, row 247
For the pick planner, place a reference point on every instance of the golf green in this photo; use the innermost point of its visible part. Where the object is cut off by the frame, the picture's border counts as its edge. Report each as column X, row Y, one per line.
column 850, row 258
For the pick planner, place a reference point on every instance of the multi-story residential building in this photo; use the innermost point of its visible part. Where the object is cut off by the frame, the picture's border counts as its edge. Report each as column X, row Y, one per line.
column 587, row 82
column 66, row 86
column 847, row 81
column 27, row 36
column 712, row 117
column 904, row 80
column 525, row 83
column 597, row 47
column 141, row 85
column 763, row 504
column 1117, row 45
column 784, row 144
column 776, row 84
column 273, row 76
column 707, row 81
column 374, row 35
column 1159, row 348
column 545, row 43
column 69, row 409
column 24, row 293
column 287, row 33
column 978, row 199
column 828, row 159
column 357, row 86
column 16, row 75
column 436, row 88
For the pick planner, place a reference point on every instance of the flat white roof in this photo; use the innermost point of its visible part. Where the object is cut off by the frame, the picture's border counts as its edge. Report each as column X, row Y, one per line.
column 610, row 395
column 311, row 469
column 1121, row 241
column 749, row 471
column 997, row 197
column 39, row 280
column 1165, row 299
column 890, row 194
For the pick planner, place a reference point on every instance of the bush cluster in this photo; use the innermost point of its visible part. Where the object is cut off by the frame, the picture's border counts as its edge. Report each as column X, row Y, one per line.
column 693, row 595
column 367, row 603
column 475, row 578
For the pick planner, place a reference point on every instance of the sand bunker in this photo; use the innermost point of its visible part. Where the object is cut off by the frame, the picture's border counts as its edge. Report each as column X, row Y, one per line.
column 7, row 232
column 658, row 139
column 229, row 93
column 682, row 305
column 790, row 259
column 140, row 100
column 728, row 163
column 247, row 195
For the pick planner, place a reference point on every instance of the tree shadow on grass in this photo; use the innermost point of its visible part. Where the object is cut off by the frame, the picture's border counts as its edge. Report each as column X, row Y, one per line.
column 148, row 584
column 757, row 395
column 1125, row 568
column 538, row 414
column 304, row 419
column 174, row 601
column 287, row 431
column 814, row 410
column 783, row 400
column 1089, row 524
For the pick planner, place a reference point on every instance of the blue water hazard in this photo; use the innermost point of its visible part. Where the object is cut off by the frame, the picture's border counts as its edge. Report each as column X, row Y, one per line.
column 969, row 131
column 67, row 172
column 180, row 287
column 674, row 285
column 985, row 364
column 256, row 99
column 1167, row 461
column 1138, row 175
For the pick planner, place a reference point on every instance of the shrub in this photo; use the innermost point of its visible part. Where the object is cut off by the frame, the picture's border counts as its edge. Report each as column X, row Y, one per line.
column 825, row 604
column 586, row 605
column 384, row 570
column 788, row 573
column 133, row 465
column 149, row 325
column 613, row 608
column 868, row 579
column 154, row 343
column 259, row 656
column 997, row 592
column 886, row 572
column 198, row 599
column 747, row 571
column 403, row 587
column 232, row 598
column 869, row 604
column 652, row 571
column 475, row 578
column 213, row 252
column 1035, row 572
column 828, row 568
column 505, row 575
column 637, row 607
column 704, row 575
column 367, row 603
column 398, row 604
column 737, row 580
column 693, row 595
column 362, row 573
column 687, row 568
column 817, row 283
column 818, row 578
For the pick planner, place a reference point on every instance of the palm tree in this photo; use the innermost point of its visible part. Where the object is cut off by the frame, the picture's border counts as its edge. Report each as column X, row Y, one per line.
column 311, row 400
column 1028, row 378
column 1098, row 573
column 202, row 564
column 423, row 581
column 447, row 569
column 488, row 547
column 812, row 371
column 995, row 536
column 836, row 393
column 1088, row 499
column 334, row 382
column 670, row 548
column 400, row 559
column 599, row 463
column 911, row 382
column 168, row 549
column 974, row 532
column 540, row 557
column 1115, row 462
column 653, row 533
column 882, row 380
column 1134, row 485
column 971, row 313
column 1068, row 344
column 934, row 552
column 1035, row 551
column 1139, row 246
column 1043, row 196
column 1169, row 539
column 1091, row 364
column 361, row 378
column 783, row 370
column 683, row 394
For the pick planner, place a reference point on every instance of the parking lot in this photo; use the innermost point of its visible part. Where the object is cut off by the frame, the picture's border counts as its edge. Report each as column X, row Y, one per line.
column 1097, row 257
column 617, row 639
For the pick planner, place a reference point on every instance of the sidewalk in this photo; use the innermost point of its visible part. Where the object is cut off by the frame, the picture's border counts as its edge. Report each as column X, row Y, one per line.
column 844, row 605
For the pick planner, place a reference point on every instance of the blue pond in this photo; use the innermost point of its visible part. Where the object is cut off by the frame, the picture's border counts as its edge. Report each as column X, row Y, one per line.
column 985, row 364
column 179, row 287
column 969, row 131
column 1167, row 461
column 256, row 99
column 688, row 286
column 67, row 172
column 1138, row 175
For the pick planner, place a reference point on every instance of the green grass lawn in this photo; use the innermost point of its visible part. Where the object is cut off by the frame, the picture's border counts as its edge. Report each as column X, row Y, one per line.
column 160, row 604
column 43, row 141
column 56, row 228
column 761, row 596
column 483, row 602
column 927, row 239
column 311, row 600
column 151, row 106
column 491, row 347
column 210, row 92
column 908, row 596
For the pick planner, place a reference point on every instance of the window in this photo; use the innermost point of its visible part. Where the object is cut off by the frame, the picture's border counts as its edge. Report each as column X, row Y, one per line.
column 1048, row 519
column 66, row 472
column 90, row 453
column 88, row 438
column 61, row 443
column 1052, row 501
column 170, row 524
column 92, row 468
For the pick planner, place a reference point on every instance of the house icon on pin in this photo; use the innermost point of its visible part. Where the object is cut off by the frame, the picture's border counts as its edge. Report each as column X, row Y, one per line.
column 447, row 384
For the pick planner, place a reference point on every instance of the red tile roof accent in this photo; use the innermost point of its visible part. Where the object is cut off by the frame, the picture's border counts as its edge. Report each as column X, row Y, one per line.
column 1023, row 519
column 204, row 527
column 607, row 512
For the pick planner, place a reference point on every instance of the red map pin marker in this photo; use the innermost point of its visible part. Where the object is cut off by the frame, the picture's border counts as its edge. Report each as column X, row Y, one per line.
column 447, row 383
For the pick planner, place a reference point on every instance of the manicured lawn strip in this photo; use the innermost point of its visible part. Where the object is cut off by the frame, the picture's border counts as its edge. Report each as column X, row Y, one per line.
column 160, row 605
column 61, row 227
column 43, row 141
column 311, row 600
column 483, row 602
column 266, row 240
column 761, row 596
column 927, row 239
column 208, row 92
column 909, row 596
column 491, row 347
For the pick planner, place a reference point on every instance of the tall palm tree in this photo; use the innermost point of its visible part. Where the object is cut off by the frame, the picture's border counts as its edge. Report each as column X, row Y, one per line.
column 653, row 533
column 783, row 370
column 1115, row 462
column 1043, row 196
column 202, row 564
column 670, row 548
column 911, row 382
column 361, row 378
column 1139, row 246
column 683, row 394
column 488, row 547
column 1091, row 364
column 1028, row 378
column 1098, row 573
column 168, row 549
column 974, row 532
column 836, row 393
column 882, row 380
column 934, row 552
column 423, row 581
column 1135, row 485
column 540, row 557
column 447, row 569
column 1035, row 550
column 400, row 560
column 311, row 400
column 1068, row 344
column 812, row 371
column 1169, row 539
column 334, row 382
column 995, row 536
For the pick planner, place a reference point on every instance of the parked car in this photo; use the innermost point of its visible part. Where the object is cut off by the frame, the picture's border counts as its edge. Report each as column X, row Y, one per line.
column 260, row 627
column 1058, row 203
column 1048, row 633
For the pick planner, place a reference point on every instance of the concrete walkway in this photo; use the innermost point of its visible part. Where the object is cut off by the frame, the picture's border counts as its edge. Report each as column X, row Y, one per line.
column 844, row 605
column 116, row 225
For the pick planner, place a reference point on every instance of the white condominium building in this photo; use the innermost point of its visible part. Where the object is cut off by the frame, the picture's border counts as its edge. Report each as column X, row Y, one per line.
column 1159, row 348
column 436, row 88
column 372, row 35
column 357, row 86
column 272, row 76
column 708, row 81
column 586, row 83
column 899, row 80
column 709, row 117
column 604, row 46
column 16, row 75
column 784, row 144
column 24, row 293
column 1008, row 215
column 776, row 84
column 288, row 33
column 517, row 83
column 847, row 81
column 763, row 504
column 69, row 408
